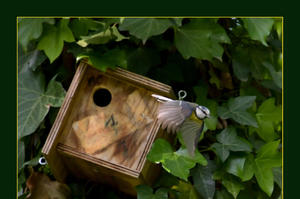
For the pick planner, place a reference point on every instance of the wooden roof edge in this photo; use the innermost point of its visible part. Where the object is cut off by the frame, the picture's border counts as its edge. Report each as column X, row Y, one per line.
column 136, row 79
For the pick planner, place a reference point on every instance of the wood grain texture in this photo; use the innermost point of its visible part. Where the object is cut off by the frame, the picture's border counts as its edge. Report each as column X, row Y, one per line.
column 85, row 168
column 115, row 138
column 49, row 148
column 118, row 132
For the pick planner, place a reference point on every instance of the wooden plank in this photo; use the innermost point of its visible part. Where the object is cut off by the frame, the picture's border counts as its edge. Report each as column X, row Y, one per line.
column 49, row 148
column 81, row 167
column 139, row 80
column 76, row 154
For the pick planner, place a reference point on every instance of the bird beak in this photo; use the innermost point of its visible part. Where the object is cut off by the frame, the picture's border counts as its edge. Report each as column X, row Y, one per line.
column 208, row 116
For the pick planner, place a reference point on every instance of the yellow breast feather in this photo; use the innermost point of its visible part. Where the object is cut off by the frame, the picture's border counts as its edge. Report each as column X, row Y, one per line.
column 195, row 118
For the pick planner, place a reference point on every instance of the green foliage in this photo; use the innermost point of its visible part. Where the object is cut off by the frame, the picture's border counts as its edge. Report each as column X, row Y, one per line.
column 258, row 29
column 268, row 115
column 232, row 66
column 177, row 162
column 201, row 39
column 145, row 28
column 229, row 141
column 236, row 110
column 52, row 41
column 35, row 100
column 21, row 154
column 203, row 180
column 30, row 60
column 185, row 190
column 267, row 158
column 146, row 192
column 30, row 29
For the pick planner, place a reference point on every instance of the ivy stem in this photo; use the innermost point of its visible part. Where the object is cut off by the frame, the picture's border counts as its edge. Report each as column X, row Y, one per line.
column 207, row 149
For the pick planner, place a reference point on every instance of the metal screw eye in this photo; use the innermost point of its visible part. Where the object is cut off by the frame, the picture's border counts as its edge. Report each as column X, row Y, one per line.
column 182, row 94
column 42, row 161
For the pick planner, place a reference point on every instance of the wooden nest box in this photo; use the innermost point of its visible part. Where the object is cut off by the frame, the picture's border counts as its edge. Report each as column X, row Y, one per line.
column 105, row 128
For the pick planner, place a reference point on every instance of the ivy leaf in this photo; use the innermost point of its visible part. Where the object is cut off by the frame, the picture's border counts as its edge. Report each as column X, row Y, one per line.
column 221, row 151
column 240, row 67
column 198, row 158
column 166, row 180
column 141, row 60
column 21, row 182
column 229, row 138
column 241, row 166
column 30, row 29
column 186, row 190
column 33, row 162
column 144, row 28
column 276, row 76
column 247, row 89
column 34, row 100
column 232, row 185
column 161, row 193
column 177, row 163
column 99, row 38
column 203, row 181
column 236, row 109
column 267, row 116
column 264, row 177
column 21, row 154
column 211, row 123
column 159, row 149
column 268, row 155
column 201, row 39
column 81, row 26
column 229, row 141
column 277, row 172
column 30, row 60
column 235, row 165
column 249, row 60
column 223, row 194
column 117, row 34
column 267, row 158
column 230, row 182
column 146, row 192
column 177, row 21
column 258, row 29
column 109, row 59
column 248, row 169
column 52, row 41
column 102, row 60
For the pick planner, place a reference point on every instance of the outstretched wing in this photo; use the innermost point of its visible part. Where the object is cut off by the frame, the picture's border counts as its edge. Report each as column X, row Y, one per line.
column 191, row 131
column 172, row 114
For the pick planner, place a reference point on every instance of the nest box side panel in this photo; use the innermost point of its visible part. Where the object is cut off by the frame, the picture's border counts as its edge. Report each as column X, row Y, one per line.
column 117, row 132
column 87, row 169
column 49, row 148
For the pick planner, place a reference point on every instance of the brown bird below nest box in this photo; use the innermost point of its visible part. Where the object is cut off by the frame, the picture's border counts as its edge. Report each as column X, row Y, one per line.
column 105, row 128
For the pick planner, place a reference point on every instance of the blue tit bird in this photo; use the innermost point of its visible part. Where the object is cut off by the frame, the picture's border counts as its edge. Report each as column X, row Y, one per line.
column 184, row 117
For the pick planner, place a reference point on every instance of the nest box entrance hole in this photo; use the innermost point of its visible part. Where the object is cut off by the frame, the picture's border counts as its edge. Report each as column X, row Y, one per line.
column 102, row 97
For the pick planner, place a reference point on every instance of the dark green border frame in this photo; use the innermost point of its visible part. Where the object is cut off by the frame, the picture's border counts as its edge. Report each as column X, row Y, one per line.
column 161, row 8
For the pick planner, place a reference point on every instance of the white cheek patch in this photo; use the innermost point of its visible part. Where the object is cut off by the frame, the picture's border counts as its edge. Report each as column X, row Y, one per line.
column 200, row 114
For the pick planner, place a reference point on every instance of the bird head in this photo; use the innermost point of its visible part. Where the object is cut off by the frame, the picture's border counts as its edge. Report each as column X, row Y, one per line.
column 202, row 112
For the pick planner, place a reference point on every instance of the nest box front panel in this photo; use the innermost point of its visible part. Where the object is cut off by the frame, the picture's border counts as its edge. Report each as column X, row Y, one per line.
column 111, row 119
